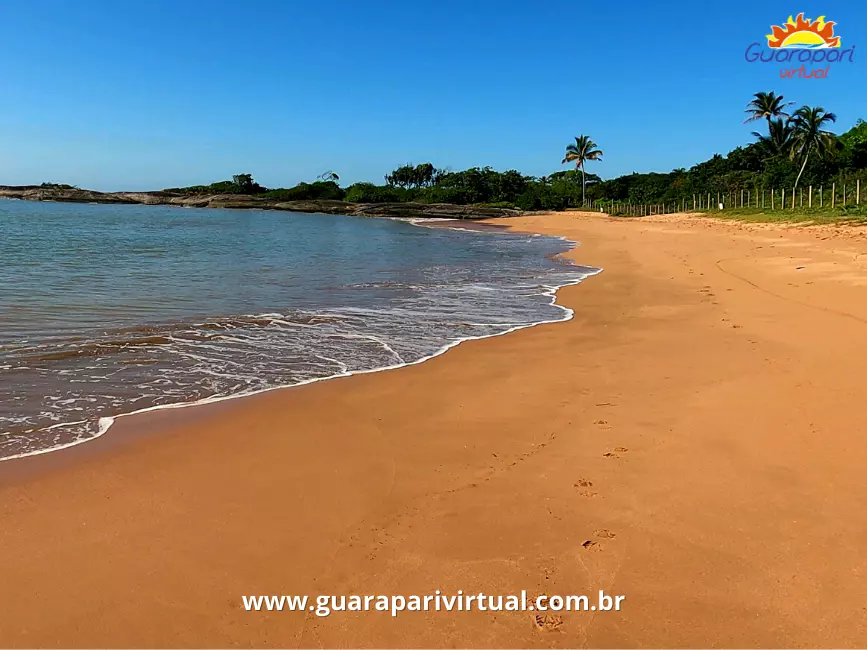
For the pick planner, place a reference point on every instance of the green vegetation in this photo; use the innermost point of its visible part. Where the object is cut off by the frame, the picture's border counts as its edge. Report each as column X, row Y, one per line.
column 796, row 151
column 240, row 184
column 476, row 186
column 583, row 150
column 318, row 191
column 795, row 156
column 425, row 184
column 58, row 186
column 809, row 137
column 855, row 215
column 767, row 106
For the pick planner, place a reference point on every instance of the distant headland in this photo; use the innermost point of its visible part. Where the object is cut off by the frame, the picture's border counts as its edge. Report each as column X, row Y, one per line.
column 409, row 209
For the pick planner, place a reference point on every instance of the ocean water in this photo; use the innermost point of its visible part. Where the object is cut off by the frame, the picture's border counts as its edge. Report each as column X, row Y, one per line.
column 109, row 310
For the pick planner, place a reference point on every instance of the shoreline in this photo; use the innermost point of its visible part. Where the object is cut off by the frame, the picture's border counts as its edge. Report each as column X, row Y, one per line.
column 686, row 439
column 105, row 423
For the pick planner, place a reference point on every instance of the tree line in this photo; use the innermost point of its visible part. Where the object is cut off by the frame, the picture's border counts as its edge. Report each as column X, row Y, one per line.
column 423, row 183
column 796, row 148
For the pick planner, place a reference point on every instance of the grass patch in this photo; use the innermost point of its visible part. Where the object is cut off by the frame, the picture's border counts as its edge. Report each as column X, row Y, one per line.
column 848, row 215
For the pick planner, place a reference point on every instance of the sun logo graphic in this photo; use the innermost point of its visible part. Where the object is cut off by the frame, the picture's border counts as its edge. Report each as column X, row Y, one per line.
column 803, row 47
column 804, row 34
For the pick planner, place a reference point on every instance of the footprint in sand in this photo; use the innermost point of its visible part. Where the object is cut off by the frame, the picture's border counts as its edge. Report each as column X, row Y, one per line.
column 584, row 483
column 590, row 545
column 547, row 622
column 604, row 533
column 616, row 453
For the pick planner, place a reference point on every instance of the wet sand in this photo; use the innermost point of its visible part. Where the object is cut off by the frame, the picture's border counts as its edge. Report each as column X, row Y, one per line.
column 700, row 420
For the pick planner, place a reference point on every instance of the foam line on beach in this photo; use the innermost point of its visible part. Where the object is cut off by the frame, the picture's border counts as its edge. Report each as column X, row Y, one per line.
column 106, row 422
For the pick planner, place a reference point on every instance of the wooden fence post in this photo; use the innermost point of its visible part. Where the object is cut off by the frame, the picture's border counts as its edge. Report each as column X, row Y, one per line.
column 810, row 202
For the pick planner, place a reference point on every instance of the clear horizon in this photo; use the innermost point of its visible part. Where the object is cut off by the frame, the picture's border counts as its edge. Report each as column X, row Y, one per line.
column 170, row 94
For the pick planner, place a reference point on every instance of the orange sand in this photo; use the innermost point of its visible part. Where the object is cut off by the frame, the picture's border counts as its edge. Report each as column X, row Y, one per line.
column 701, row 419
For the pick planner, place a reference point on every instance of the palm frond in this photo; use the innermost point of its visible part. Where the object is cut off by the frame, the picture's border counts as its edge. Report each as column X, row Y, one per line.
column 766, row 106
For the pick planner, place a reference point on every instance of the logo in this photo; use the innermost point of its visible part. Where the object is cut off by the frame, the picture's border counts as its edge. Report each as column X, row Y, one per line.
column 804, row 34
column 806, row 48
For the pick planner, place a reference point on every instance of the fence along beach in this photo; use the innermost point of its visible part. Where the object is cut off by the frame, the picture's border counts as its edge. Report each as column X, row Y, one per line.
column 764, row 199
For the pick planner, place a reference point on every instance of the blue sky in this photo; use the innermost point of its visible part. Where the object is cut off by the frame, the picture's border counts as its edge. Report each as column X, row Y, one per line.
column 150, row 94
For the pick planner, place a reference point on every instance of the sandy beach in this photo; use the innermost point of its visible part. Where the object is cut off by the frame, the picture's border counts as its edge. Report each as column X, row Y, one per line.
column 693, row 439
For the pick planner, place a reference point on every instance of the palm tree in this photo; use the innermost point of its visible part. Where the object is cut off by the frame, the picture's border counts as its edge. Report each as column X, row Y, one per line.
column 583, row 150
column 767, row 106
column 809, row 137
column 779, row 138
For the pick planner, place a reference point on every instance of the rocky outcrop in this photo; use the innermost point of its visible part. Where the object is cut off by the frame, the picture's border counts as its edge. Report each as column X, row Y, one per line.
column 247, row 202
column 326, row 207
column 431, row 211
column 150, row 198
column 71, row 195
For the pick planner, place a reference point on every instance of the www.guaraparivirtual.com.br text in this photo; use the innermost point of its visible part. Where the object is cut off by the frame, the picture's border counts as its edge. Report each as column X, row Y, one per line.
column 437, row 602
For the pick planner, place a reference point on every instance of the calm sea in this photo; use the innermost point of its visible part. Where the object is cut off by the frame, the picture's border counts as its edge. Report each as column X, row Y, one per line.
column 107, row 310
